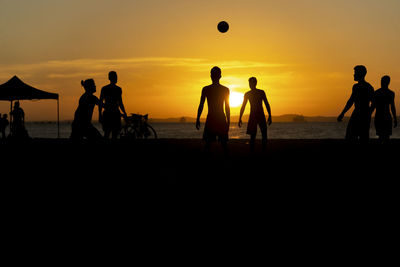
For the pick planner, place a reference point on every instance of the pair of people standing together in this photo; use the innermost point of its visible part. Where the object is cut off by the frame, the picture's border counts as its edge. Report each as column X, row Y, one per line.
column 366, row 101
column 109, row 104
column 217, row 122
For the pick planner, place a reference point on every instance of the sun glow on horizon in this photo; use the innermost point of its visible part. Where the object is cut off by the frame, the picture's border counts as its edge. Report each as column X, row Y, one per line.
column 235, row 99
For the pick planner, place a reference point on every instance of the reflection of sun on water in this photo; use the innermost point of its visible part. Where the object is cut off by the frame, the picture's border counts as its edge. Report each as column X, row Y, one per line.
column 235, row 99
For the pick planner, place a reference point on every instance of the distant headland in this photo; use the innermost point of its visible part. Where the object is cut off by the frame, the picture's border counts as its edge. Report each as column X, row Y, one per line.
column 280, row 118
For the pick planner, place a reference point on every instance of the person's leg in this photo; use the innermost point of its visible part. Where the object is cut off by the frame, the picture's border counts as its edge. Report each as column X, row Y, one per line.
column 364, row 133
column 116, row 125
column 107, row 133
column 252, row 130
column 77, row 132
column 352, row 130
column 93, row 134
column 207, row 147
column 224, row 144
column 263, row 130
column 115, row 134
column 252, row 142
column 264, row 138
column 384, row 138
column 107, row 124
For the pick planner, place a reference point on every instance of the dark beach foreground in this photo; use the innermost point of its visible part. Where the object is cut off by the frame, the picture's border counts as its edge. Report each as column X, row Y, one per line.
column 327, row 164
column 305, row 200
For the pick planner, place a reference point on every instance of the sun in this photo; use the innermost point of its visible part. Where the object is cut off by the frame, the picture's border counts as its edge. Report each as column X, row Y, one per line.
column 235, row 99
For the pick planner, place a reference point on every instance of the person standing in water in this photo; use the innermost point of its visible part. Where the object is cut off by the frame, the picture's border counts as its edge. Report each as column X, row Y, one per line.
column 361, row 97
column 82, row 126
column 383, row 102
column 217, row 122
column 256, row 97
column 111, row 101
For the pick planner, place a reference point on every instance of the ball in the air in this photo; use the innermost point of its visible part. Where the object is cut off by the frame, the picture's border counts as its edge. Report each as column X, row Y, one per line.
column 223, row 26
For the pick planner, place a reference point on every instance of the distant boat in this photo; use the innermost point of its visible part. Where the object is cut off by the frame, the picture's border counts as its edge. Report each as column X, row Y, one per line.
column 182, row 120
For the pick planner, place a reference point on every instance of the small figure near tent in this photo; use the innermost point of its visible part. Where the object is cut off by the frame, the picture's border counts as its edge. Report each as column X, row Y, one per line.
column 15, row 89
column 82, row 126
column 17, row 129
column 3, row 125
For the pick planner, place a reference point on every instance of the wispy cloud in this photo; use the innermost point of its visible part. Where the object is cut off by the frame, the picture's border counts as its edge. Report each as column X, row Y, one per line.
column 75, row 68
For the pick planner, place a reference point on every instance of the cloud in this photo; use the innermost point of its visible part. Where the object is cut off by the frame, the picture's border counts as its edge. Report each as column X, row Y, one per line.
column 74, row 68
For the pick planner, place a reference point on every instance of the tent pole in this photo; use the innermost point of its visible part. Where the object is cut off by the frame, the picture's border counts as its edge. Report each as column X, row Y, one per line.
column 58, row 119
column 11, row 117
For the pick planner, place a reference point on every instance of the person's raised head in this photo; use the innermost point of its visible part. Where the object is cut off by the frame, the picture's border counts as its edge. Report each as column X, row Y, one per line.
column 16, row 105
column 385, row 81
column 253, row 82
column 5, row 116
column 112, row 76
column 215, row 74
column 359, row 72
column 89, row 86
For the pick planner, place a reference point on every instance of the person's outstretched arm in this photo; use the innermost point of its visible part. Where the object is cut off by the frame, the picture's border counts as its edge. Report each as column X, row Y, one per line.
column 346, row 108
column 268, row 109
column 393, row 109
column 245, row 98
column 200, row 109
column 228, row 110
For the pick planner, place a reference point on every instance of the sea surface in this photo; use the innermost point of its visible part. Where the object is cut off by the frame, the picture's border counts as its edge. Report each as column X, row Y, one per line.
column 277, row 130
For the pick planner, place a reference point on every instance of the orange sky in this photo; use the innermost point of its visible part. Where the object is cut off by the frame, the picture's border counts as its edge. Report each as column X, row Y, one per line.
column 302, row 52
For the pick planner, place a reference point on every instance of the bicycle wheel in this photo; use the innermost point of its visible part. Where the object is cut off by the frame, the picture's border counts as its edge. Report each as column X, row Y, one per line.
column 150, row 133
column 129, row 132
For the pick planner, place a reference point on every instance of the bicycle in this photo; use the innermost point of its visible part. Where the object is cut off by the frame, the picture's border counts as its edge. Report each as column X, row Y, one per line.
column 137, row 127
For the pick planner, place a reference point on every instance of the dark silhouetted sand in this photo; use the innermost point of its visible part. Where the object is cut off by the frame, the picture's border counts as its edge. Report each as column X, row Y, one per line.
column 307, row 199
column 182, row 161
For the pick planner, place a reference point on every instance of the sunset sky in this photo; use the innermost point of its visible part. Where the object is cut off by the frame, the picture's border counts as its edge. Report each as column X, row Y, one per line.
column 301, row 51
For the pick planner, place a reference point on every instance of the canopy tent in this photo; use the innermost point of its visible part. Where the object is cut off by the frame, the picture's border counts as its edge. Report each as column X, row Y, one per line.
column 15, row 89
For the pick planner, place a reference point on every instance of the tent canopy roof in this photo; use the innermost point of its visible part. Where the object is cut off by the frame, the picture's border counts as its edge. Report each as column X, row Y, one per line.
column 15, row 89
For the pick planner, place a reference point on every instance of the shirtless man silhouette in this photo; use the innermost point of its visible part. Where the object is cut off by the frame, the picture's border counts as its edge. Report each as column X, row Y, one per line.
column 256, row 97
column 361, row 97
column 111, row 101
column 385, row 116
column 217, row 122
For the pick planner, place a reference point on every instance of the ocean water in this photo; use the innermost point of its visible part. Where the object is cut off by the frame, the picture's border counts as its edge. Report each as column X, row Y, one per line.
column 277, row 130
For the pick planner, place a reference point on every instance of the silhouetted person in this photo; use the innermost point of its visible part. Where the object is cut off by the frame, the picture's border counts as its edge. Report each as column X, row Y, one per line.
column 361, row 96
column 383, row 102
column 256, row 97
column 3, row 125
column 111, row 101
column 18, row 122
column 82, row 125
column 217, row 122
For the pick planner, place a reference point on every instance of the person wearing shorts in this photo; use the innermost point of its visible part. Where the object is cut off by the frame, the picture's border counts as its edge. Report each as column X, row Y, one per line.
column 256, row 97
column 111, row 102
column 218, row 121
column 362, row 97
